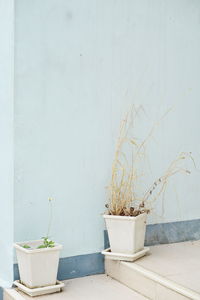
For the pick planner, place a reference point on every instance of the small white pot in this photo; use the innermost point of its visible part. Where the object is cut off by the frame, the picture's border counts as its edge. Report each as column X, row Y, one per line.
column 37, row 267
column 126, row 234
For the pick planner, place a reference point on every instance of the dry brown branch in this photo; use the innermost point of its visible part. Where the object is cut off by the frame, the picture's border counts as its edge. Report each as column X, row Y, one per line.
column 122, row 197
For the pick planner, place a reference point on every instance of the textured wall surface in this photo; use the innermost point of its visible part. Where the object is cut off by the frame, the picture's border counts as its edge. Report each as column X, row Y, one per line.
column 6, row 141
column 78, row 67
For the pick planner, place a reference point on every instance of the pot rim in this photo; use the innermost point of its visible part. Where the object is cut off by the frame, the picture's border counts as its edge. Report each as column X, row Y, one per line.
column 125, row 218
column 18, row 246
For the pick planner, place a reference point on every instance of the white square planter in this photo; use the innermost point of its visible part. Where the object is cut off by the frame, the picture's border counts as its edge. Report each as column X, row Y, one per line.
column 126, row 234
column 37, row 267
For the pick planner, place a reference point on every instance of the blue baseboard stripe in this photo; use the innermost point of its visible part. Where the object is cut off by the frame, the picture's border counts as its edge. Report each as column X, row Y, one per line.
column 173, row 232
column 81, row 265
column 1, row 293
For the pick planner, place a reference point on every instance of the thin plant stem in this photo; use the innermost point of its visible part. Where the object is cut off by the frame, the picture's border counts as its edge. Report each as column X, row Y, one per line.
column 50, row 216
column 122, row 195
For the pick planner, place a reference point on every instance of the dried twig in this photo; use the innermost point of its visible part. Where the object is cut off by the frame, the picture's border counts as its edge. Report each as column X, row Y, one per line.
column 122, row 197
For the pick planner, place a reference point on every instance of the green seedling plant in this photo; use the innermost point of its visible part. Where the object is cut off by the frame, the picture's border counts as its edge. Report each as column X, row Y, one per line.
column 26, row 246
column 47, row 243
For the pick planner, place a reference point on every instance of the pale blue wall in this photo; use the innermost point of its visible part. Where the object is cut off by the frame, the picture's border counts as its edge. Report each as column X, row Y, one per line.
column 79, row 65
column 6, row 141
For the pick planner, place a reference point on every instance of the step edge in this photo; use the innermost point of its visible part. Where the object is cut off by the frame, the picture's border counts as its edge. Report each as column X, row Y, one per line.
column 163, row 281
column 13, row 293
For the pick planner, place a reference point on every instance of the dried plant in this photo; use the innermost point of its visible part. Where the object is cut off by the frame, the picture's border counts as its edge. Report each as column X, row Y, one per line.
column 123, row 200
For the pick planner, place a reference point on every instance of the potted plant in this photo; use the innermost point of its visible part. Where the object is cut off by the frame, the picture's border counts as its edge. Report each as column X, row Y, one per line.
column 126, row 211
column 38, row 261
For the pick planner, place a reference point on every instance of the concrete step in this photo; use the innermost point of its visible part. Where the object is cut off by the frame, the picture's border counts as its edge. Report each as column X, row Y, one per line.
column 169, row 272
column 97, row 287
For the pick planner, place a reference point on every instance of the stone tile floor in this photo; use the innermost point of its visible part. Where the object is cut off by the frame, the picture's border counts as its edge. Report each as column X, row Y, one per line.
column 97, row 287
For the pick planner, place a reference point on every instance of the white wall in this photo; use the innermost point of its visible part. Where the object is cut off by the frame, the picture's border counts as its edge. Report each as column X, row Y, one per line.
column 79, row 65
column 6, row 140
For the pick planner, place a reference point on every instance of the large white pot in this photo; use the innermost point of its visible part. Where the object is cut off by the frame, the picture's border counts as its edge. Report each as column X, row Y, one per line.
column 126, row 234
column 37, row 267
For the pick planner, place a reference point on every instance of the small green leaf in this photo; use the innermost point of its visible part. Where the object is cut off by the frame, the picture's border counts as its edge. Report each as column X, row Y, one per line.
column 26, row 246
column 41, row 246
column 46, row 243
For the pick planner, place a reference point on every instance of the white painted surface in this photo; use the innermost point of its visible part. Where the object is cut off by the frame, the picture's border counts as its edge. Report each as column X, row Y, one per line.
column 6, row 140
column 125, row 257
column 96, row 287
column 126, row 234
column 42, row 264
column 79, row 65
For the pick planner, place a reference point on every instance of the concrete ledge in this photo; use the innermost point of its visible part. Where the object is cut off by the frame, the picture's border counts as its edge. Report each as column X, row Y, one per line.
column 96, row 287
column 12, row 294
column 147, row 283
column 170, row 272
